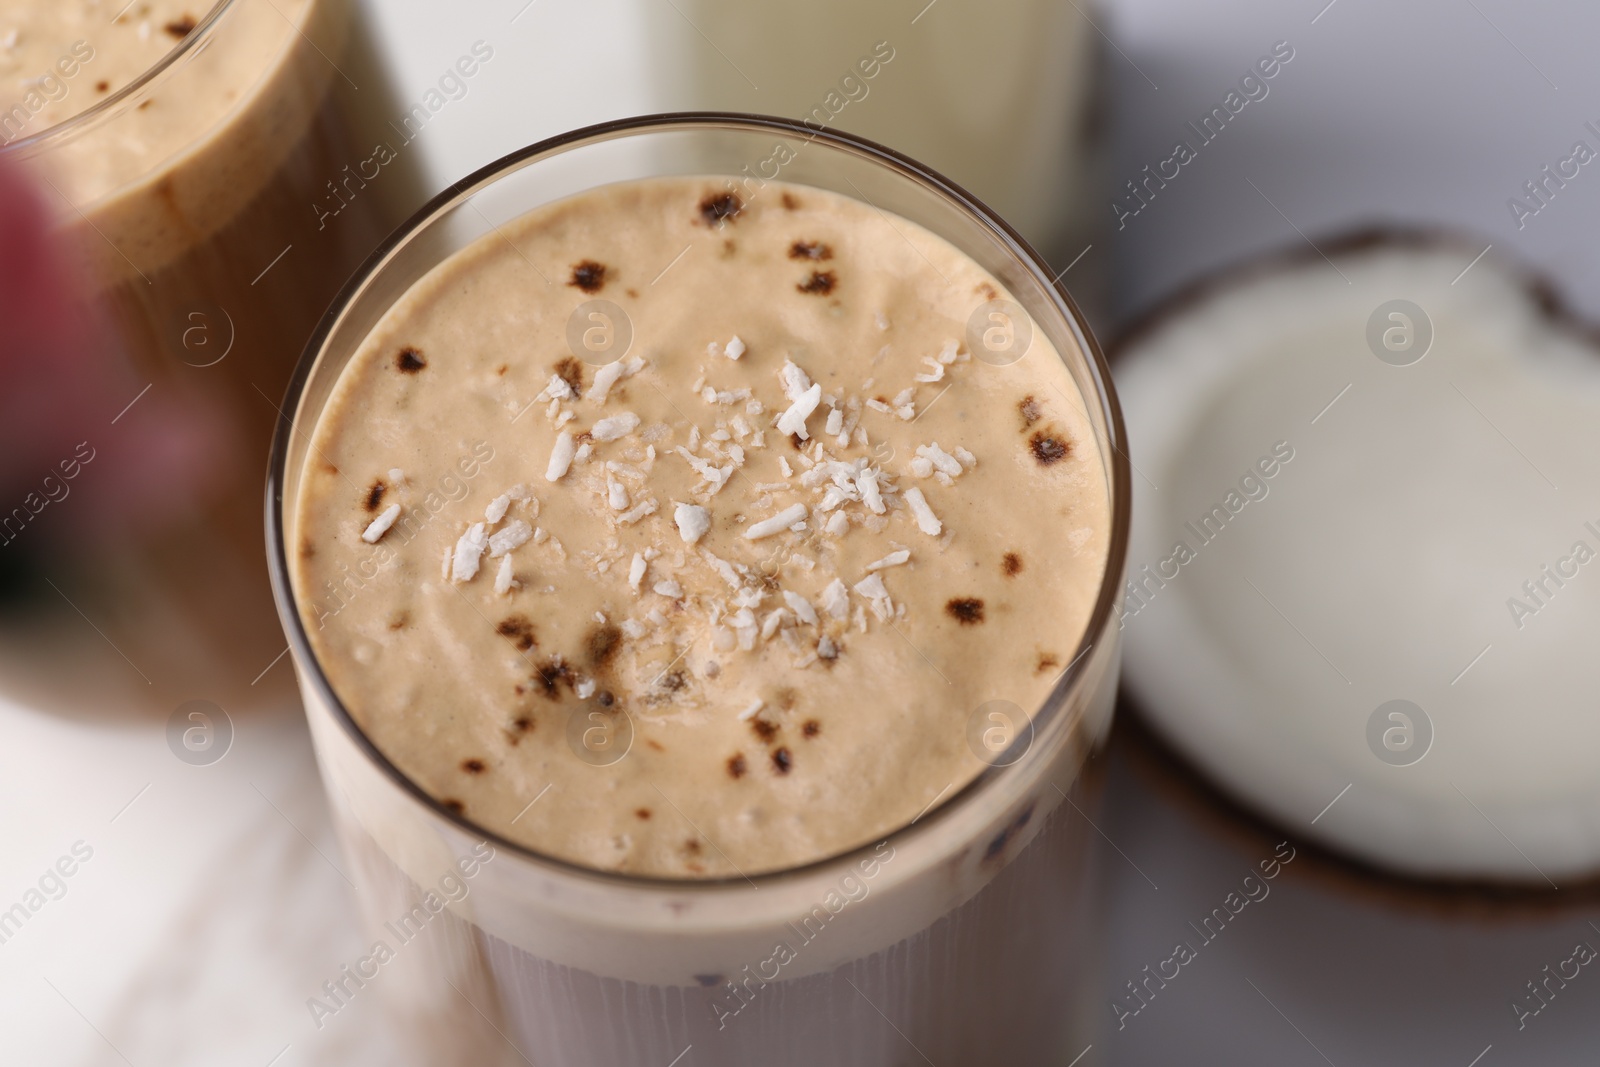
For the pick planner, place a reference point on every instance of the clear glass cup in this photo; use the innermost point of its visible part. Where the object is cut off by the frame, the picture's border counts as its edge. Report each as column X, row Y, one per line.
column 210, row 208
column 967, row 936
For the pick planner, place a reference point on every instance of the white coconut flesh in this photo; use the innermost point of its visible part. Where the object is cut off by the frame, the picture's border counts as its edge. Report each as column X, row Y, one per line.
column 1435, row 538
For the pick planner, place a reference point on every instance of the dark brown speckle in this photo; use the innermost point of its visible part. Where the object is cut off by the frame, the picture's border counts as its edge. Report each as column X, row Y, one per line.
column 1047, row 661
column 473, row 766
column 1029, row 407
column 454, row 805
column 588, row 276
column 967, row 610
column 811, row 728
column 1047, row 448
column 820, row 283
column 641, row 813
column 763, row 729
column 721, row 207
column 602, row 644
column 518, row 629
column 102, row 86
column 1011, row 563
column 409, row 361
column 782, row 762
column 790, row 201
column 570, row 371
column 810, row 250
column 375, row 495
column 181, row 27
column 736, row 766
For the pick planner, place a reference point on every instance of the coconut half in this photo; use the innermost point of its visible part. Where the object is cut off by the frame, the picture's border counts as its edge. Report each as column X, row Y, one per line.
column 1364, row 578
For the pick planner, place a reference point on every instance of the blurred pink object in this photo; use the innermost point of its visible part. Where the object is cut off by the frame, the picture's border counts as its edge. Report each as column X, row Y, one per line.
column 75, row 421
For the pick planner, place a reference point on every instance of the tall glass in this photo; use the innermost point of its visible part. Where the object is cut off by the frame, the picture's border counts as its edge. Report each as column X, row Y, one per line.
column 965, row 937
column 212, row 208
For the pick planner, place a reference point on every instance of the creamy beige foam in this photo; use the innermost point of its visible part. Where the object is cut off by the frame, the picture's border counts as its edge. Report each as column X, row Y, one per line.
column 784, row 705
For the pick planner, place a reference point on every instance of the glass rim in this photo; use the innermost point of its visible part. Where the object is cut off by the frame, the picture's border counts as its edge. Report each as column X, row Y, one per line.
column 92, row 114
column 1119, row 484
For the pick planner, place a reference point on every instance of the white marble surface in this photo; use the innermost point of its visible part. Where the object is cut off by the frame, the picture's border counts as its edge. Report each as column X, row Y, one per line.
column 212, row 906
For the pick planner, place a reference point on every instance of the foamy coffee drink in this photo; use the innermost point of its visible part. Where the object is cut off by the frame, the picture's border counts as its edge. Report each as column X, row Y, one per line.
column 675, row 531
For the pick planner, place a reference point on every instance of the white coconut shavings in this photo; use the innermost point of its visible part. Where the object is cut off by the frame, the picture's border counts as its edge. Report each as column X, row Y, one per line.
column 948, row 353
column 633, row 629
column 750, row 712
column 877, row 596
column 637, row 512
column 927, row 521
column 801, row 607
column 617, row 496
column 620, row 425
column 559, row 388
column 836, row 599
column 469, row 551
column 692, row 521
column 837, row 524
column 380, row 525
column 582, row 453
column 826, row 649
column 776, row 524
column 561, row 455
column 515, row 534
column 397, row 477
column 496, row 510
column 540, row 536
column 724, row 569
column 735, row 348
column 503, row 580
column 770, row 624
column 795, row 381
column 935, row 371
column 668, row 588
column 903, row 404
column 893, row 559
column 878, row 405
column 867, row 486
column 610, row 375
column 793, row 421
column 922, row 467
column 967, row 459
column 940, row 459
column 743, row 622
column 636, row 571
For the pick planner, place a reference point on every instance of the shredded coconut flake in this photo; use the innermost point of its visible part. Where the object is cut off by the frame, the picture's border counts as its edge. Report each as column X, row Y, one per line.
column 836, row 599
column 867, row 486
column 617, row 496
column 893, row 559
column 927, row 521
column 561, row 456
column 637, row 512
column 750, row 712
column 609, row 375
column 469, row 551
column 636, row 571
column 776, row 524
column 793, row 421
column 795, row 381
column 668, row 588
column 735, row 348
column 692, row 520
column 801, row 607
column 837, row 524
column 609, row 429
column 503, row 580
column 516, row 532
column 380, row 525
column 558, row 389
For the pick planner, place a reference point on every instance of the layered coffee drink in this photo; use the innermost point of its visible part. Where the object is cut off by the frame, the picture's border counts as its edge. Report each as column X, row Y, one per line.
column 718, row 569
column 731, row 596
column 190, row 155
